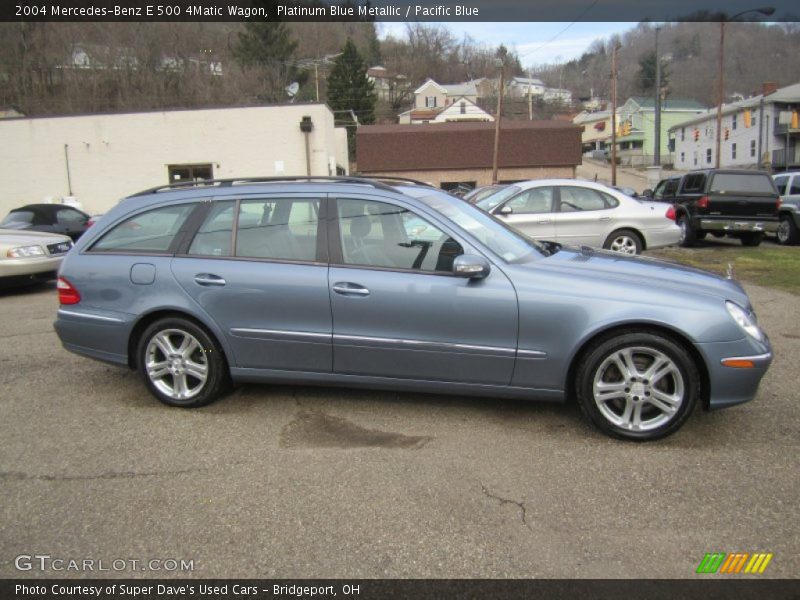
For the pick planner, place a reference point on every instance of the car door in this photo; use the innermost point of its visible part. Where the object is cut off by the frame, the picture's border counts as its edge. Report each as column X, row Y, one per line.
column 257, row 265
column 398, row 310
column 532, row 212
column 584, row 216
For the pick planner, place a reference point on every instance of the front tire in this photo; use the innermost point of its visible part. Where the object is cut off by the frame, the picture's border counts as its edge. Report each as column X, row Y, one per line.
column 624, row 241
column 787, row 231
column 181, row 364
column 637, row 385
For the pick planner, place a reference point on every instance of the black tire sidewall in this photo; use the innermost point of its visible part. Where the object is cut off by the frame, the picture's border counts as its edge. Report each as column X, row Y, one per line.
column 218, row 373
column 595, row 356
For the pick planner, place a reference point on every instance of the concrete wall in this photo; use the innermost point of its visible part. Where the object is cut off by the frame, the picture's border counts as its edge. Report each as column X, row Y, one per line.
column 111, row 156
column 482, row 176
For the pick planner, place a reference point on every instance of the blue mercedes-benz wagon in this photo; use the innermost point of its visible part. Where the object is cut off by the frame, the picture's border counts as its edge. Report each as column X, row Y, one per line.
column 393, row 284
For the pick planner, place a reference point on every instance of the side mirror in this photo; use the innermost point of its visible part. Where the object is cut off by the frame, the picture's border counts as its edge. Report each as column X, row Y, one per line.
column 648, row 193
column 505, row 210
column 471, row 266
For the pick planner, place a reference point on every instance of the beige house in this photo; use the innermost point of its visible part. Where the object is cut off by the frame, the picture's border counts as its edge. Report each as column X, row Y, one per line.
column 461, row 109
column 100, row 158
column 596, row 130
column 433, row 95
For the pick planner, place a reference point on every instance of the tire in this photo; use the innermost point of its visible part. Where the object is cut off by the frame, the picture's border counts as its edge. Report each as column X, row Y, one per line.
column 688, row 234
column 617, row 392
column 787, row 231
column 751, row 239
column 181, row 364
column 624, row 241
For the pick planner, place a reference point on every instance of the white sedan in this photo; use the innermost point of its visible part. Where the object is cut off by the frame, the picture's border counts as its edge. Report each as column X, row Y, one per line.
column 30, row 256
column 574, row 212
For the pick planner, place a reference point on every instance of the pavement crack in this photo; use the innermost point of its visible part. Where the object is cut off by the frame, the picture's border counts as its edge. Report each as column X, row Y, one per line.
column 19, row 476
column 523, row 512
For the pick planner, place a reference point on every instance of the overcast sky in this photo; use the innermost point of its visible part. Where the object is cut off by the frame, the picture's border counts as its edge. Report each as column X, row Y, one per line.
column 536, row 43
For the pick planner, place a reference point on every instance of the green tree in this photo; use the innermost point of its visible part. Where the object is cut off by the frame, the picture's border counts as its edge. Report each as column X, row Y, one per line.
column 350, row 92
column 646, row 76
column 269, row 48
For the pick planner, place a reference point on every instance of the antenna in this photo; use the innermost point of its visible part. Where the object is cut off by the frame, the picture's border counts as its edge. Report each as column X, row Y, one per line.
column 292, row 90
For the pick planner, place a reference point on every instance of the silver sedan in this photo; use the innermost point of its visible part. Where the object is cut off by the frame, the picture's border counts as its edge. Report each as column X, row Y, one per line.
column 576, row 212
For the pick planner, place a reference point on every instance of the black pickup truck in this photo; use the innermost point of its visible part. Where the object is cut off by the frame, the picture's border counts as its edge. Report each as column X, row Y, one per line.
column 741, row 204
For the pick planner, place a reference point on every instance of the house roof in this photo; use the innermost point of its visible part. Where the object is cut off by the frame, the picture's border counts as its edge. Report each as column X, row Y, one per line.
column 790, row 93
column 648, row 103
column 467, row 145
column 461, row 89
column 428, row 82
column 591, row 117
column 525, row 81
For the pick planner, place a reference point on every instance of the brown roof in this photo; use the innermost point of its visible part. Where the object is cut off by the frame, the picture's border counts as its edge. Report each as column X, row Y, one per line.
column 385, row 148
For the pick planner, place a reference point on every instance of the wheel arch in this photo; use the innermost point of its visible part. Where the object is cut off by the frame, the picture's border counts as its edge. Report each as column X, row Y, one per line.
column 631, row 228
column 613, row 330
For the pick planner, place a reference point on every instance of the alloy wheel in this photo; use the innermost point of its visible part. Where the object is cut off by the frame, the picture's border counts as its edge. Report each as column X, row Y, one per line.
column 176, row 364
column 623, row 244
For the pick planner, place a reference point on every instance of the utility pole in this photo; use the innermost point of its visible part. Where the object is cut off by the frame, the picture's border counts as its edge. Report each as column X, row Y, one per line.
column 614, row 115
column 657, row 136
column 530, row 98
column 497, row 121
column 720, row 88
column 316, row 78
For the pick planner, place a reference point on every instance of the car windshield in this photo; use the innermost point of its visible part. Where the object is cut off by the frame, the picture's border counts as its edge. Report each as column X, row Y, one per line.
column 491, row 232
column 493, row 200
column 20, row 216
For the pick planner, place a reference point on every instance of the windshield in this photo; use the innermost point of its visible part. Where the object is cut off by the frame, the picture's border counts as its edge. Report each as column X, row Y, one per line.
column 490, row 202
column 20, row 216
column 489, row 231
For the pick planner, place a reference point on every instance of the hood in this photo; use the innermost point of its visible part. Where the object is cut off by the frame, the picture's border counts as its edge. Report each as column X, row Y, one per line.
column 645, row 272
column 20, row 238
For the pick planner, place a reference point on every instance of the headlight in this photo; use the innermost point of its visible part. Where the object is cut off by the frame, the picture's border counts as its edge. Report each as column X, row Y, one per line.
column 745, row 320
column 25, row 252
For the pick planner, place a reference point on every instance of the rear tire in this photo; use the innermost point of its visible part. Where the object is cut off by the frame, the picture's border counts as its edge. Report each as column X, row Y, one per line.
column 688, row 235
column 787, row 231
column 624, row 241
column 637, row 385
column 181, row 364
column 751, row 239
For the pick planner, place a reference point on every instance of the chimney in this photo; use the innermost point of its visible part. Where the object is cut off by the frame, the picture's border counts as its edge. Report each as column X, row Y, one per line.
column 769, row 87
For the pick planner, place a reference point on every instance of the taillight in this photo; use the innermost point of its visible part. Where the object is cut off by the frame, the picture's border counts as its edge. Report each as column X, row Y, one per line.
column 703, row 202
column 90, row 222
column 67, row 294
column 778, row 203
column 671, row 213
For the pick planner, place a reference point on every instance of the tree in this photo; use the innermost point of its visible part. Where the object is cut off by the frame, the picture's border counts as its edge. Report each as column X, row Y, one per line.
column 646, row 76
column 268, row 47
column 350, row 92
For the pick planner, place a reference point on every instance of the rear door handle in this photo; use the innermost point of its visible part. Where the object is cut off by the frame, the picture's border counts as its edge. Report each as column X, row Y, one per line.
column 209, row 280
column 544, row 221
column 605, row 218
column 350, row 289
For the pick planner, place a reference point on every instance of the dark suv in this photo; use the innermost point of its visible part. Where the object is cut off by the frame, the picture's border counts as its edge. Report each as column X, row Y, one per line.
column 741, row 204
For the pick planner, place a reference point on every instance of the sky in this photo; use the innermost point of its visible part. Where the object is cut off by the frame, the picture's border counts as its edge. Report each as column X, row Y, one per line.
column 535, row 43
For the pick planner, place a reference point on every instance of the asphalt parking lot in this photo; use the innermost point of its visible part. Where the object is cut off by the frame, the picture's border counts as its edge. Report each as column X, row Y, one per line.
column 320, row 482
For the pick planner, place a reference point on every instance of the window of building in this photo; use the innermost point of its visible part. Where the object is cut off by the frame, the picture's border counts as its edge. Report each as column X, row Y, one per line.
column 695, row 158
column 377, row 234
column 463, row 108
column 752, row 148
column 683, row 157
column 733, row 151
column 150, row 231
column 430, row 101
column 708, row 155
column 683, row 134
column 179, row 173
column 734, row 120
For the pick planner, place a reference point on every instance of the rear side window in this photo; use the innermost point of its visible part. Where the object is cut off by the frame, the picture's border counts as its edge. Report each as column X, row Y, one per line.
column 730, row 183
column 694, row 183
column 150, row 231
column 574, row 199
column 281, row 229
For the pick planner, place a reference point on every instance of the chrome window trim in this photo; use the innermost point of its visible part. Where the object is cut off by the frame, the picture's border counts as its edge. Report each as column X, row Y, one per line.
column 755, row 358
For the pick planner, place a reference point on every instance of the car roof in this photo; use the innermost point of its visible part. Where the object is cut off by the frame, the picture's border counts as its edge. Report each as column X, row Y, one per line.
column 43, row 207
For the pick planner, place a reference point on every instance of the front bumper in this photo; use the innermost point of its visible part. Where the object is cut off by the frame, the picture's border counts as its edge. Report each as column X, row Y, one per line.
column 19, row 271
column 731, row 385
column 738, row 225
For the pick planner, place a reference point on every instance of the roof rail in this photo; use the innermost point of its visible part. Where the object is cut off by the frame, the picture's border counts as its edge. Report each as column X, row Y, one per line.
column 376, row 182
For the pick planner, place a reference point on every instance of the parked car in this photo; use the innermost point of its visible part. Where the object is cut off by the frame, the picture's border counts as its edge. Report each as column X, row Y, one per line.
column 52, row 218
column 788, row 185
column 571, row 211
column 28, row 257
column 482, row 192
column 324, row 282
column 736, row 203
column 628, row 191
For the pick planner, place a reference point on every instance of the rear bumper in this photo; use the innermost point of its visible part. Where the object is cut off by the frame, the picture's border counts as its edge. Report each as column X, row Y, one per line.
column 102, row 335
column 662, row 237
column 738, row 225
column 730, row 385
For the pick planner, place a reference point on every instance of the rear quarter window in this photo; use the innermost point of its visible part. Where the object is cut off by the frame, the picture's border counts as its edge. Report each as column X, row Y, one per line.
column 150, row 231
column 734, row 183
column 694, row 183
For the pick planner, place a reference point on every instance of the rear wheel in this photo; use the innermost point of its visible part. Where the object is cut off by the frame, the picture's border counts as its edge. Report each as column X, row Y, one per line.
column 787, row 231
column 751, row 239
column 688, row 235
column 624, row 241
column 181, row 364
column 637, row 385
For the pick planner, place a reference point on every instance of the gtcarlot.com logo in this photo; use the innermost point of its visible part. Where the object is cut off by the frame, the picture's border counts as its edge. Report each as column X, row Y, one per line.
column 45, row 562
column 737, row 562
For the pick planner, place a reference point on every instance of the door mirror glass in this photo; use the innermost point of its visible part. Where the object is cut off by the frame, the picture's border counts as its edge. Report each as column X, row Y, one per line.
column 505, row 210
column 471, row 266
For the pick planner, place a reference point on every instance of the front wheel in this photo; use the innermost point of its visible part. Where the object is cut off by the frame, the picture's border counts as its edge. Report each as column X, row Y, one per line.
column 787, row 231
column 181, row 364
column 636, row 385
column 624, row 241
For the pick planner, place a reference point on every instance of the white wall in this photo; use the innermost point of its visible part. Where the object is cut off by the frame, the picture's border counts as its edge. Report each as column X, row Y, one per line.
column 111, row 156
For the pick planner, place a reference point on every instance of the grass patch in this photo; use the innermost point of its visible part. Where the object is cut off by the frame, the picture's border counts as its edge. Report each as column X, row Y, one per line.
column 767, row 265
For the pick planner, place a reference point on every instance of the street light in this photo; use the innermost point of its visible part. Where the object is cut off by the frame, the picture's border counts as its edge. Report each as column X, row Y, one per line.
column 764, row 10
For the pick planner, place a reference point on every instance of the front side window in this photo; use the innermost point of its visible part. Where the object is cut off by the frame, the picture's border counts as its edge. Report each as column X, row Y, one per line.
column 575, row 199
column 278, row 228
column 532, row 201
column 497, row 197
column 377, row 234
column 150, row 231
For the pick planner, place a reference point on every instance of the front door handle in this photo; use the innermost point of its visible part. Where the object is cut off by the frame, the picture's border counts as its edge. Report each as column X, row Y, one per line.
column 209, row 280
column 605, row 218
column 350, row 289
column 544, row 221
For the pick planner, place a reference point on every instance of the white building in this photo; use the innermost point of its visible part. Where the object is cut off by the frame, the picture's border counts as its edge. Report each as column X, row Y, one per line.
column 751, row 136
column 461, row 109
column 100, row 158
column 522, row 87
column 434, row 95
